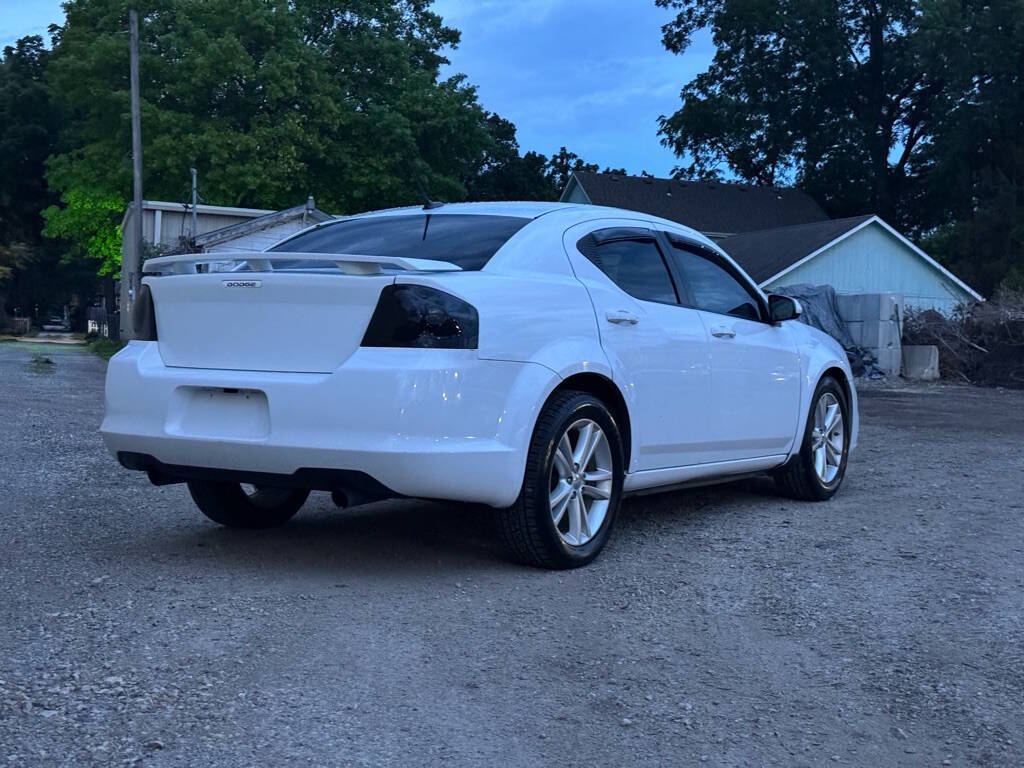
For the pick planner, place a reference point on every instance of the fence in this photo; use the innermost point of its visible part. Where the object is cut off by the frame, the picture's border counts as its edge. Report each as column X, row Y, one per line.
column 17, row 324
column 98, row 321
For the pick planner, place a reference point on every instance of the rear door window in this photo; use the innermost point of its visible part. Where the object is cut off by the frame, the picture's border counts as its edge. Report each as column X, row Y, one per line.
column 635, row 265
column 466, row 240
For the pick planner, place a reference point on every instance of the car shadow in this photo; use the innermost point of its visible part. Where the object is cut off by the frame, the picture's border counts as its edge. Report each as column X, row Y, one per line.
column 406, row 535
column 409, row 536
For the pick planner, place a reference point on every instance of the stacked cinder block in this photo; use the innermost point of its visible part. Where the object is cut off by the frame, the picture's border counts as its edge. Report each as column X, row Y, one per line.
column 875, row 322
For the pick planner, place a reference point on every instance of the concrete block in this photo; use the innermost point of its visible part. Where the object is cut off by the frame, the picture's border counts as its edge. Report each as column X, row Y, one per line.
column 848, row 305
column 875, row 334
column 855, row 307
column 889, row 360
column 921, row 361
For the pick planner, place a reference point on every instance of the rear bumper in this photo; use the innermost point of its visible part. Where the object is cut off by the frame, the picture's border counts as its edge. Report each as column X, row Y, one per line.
column 429, row 423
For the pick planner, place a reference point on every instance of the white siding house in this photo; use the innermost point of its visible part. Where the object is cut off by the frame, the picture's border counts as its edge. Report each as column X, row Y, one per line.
column 171, row 228
column 263, row 232
column 261, row 240
column 168, row 227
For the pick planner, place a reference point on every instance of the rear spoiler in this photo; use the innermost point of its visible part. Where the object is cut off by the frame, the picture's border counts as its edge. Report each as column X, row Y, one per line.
column 262, row 261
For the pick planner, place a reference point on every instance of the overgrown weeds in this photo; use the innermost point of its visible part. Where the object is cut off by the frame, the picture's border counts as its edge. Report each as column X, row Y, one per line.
column 40, row 364
column 105, row 348
column 981, row 343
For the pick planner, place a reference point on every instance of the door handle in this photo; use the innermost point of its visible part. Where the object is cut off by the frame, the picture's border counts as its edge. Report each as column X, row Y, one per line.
column 719, row 332
column 620, row 316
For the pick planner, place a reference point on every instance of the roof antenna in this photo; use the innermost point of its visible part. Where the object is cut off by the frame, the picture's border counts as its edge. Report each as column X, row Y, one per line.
column 428, row 204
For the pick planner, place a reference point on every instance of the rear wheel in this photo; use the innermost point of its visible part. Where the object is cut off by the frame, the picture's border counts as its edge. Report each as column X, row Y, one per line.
column 816, row 473
column 572, row 487
column 238, row 506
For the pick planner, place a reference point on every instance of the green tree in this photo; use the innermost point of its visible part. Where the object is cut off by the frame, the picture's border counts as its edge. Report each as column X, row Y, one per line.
column 92, row 224
column 913, row 109
column 269, row 100
column 563, row 164
column 505, row 174
column 26, row 139
column 27, row 124
column 31, row 271
column 836, row 94
column 972, row 205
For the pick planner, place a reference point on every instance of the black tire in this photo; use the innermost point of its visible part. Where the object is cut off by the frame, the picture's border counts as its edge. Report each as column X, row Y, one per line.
column 230, row 505
column 526, row 530
column 798, row 478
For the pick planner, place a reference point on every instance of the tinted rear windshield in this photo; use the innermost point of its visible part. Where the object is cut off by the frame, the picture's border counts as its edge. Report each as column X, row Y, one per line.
column 466, row 240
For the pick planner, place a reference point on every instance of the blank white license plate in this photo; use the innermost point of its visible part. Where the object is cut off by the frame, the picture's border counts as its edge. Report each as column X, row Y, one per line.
column 232, row 414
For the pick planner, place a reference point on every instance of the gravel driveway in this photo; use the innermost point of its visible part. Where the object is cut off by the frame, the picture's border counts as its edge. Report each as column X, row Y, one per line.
column 724, row 625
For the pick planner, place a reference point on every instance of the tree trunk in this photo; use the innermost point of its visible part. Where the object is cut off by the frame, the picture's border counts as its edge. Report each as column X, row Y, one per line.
column 878, row 125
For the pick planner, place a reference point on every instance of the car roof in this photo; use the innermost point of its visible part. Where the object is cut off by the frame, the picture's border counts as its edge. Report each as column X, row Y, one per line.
column 576, row 212
column 519, row 209
column 555, row 217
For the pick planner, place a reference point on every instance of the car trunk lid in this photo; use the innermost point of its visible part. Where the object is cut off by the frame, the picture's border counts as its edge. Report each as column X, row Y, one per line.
column 304, row 322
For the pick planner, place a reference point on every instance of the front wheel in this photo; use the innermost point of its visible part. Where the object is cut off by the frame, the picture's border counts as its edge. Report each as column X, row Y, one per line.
column 572, row 487
column 816, row 473
column 235, row 506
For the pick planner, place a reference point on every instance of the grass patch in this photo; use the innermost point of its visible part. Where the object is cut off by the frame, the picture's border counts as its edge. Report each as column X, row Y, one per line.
column 105, row 348
column 40, row 364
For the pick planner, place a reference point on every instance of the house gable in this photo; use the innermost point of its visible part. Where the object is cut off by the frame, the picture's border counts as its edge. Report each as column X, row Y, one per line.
column 874, row 259
column 574, row 193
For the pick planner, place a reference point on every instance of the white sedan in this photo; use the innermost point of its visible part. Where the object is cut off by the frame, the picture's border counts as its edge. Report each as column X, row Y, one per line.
column 540, row 358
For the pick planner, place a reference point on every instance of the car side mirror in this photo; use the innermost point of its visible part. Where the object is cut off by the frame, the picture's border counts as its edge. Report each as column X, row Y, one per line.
column 783, row 308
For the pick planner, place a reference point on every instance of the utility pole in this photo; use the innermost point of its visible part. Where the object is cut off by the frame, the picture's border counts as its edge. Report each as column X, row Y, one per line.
column 195, row 201
column 131, row 269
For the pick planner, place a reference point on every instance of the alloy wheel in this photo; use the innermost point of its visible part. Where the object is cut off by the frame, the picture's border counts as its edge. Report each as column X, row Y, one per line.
column 827, row 438
column 581, row 482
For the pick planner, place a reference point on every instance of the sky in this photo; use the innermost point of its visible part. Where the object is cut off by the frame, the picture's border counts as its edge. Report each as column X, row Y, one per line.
column 590, row 75
column 27, row 17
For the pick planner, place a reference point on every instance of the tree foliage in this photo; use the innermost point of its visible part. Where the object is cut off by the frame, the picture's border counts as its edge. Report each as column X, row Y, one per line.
column 91, row 223
column 27, row 127
column 971, row 205
column 27, row 137
column 269, row 100
column 504, row 174
column 905, row 108
column 833, row 92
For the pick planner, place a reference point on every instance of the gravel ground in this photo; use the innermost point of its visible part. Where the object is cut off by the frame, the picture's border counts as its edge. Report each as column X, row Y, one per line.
column 724, row 625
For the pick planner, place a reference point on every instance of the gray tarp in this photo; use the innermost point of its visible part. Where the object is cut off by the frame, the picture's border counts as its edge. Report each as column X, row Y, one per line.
column 822, row 312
